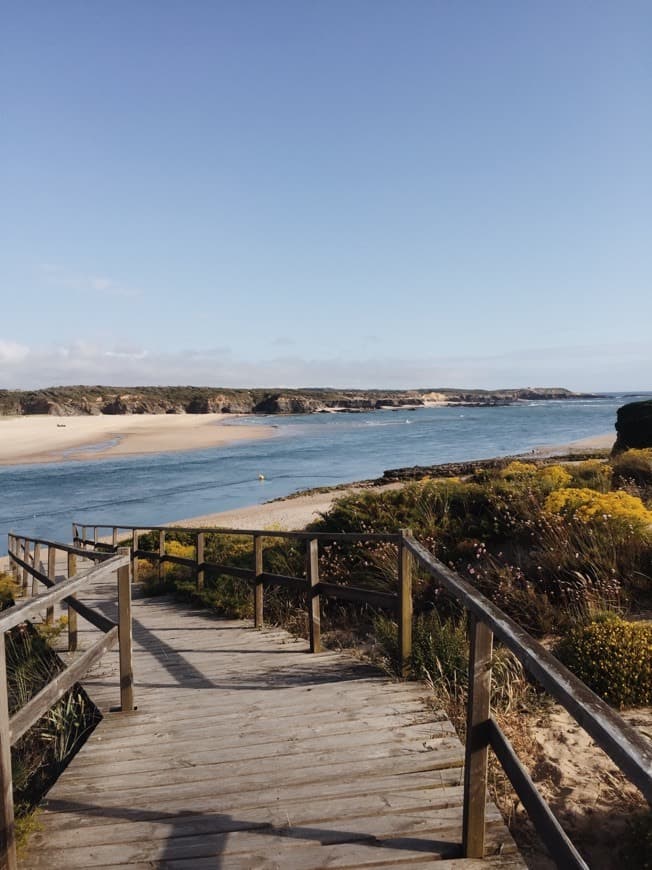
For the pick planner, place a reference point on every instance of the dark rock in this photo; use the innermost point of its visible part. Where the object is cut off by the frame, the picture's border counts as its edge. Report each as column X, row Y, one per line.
column 634, row 426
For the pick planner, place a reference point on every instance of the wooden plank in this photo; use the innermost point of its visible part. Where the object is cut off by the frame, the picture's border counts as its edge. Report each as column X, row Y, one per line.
column 477, row 739
column 386, row 600
column 283, row 580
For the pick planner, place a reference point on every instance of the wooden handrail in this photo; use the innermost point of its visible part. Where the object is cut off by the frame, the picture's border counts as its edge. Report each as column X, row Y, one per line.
column 14, row 727
column 300, row 534
column 622, row 743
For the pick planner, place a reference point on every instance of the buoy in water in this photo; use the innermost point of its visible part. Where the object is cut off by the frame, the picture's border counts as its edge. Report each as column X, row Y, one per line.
column 261, row 477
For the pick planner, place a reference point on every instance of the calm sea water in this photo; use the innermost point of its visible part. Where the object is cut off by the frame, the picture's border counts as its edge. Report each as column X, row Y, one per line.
column 306, row 451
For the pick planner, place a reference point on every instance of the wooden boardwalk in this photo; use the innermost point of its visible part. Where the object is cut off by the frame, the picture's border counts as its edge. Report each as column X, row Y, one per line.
column 247, row 752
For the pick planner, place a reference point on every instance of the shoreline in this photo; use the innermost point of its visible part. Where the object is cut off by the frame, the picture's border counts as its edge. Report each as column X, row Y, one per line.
column 35, row 439
column 294, row 511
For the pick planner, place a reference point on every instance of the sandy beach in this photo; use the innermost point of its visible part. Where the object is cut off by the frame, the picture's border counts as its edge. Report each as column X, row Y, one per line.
column 44, row 438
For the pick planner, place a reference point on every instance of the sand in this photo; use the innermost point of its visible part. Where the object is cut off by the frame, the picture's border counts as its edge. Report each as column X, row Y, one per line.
column 290, row 514
column 605, row 441
column 44, row 438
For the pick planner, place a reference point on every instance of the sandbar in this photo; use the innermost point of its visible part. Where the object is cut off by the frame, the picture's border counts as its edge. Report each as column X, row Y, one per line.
column 44, row 438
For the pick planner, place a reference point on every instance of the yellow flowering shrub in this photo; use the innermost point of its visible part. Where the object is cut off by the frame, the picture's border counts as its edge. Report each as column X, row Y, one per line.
column 588, row 505
column 8, row 590
column 176, row 548
column 613, row 657
column 551, row 477
column 517, row 469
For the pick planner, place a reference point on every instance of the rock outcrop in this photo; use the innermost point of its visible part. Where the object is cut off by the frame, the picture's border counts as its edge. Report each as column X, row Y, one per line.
column 67, row 401
column 634, row 426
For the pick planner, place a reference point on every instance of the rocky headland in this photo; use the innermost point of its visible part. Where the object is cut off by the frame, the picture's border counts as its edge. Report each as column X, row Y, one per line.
column 94, row 400
column 634, row 426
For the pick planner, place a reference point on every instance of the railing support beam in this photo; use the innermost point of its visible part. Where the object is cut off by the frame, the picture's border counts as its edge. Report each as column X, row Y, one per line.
column 52, row 574
column 201, row 539
column 258, row 582
column 72, row 614
column 314, row 605
column 134, row 557
column 405, row 604
column 161, row 556
column 7, row 831
column 477, row 739
column 125, row 639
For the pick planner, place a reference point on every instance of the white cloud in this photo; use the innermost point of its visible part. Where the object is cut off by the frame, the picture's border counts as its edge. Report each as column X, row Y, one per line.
column 588, row 368
column 11, row 352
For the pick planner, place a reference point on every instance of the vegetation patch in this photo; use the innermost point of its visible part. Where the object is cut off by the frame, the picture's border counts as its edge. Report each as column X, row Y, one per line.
column 613, row 657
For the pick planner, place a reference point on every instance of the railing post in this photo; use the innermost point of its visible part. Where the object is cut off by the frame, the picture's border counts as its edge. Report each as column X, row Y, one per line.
column 37, row 565
column 83, row 538
column 114, row 536
column 52, row 574
column 26, row 556
column 134, row 557
column 7, row 831
column 200, row 560
column 75, row 534
column 314, row 605
column 405, row 604
column 124, row 637
column 258, row 583
column 161, row 556
column 477, row 739
column 11, row 549
column 72, row 614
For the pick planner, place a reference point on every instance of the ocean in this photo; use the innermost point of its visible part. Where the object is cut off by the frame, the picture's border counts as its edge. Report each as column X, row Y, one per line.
column 306, row 451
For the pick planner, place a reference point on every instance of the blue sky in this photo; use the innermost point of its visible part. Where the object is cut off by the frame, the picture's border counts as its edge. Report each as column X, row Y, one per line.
column 359, row 193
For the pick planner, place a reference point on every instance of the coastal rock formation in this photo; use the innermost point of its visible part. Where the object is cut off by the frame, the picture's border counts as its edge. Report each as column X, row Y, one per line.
column 81, row 400
column 634, row 426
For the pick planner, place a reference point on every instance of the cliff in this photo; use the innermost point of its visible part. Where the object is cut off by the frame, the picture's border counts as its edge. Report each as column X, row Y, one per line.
column 71, row 401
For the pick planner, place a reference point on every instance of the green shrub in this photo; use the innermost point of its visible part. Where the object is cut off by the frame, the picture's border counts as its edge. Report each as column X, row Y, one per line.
column 591, row 474
column 633, row 466
column 613, row 657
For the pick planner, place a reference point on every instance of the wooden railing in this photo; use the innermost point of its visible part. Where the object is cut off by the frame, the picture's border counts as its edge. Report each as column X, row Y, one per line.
column 630, row 751
column 399, row 603
column 25, row 562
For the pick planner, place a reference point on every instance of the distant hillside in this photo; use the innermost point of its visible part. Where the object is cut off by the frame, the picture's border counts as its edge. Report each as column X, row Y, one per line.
column 70, row 401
